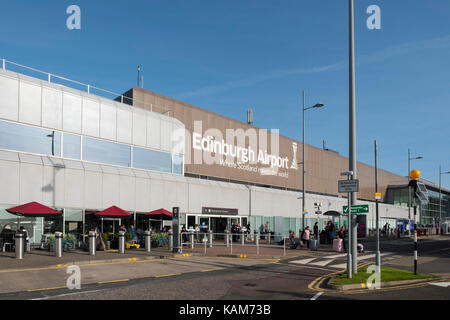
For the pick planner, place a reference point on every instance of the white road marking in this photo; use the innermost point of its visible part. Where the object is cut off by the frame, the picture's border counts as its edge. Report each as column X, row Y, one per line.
column 322, row 263
column 441, row 284
column 317, row 295
column 339, row 266
column 304, row 261
column 335, row 256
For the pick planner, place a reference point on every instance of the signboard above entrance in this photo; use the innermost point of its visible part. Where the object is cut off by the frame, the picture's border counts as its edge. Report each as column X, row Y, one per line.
column 220, row 211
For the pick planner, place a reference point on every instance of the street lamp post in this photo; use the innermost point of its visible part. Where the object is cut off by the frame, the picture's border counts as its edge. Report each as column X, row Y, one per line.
column 352, row 131
column 409, row 188
column 318, row 105
column 440, row 196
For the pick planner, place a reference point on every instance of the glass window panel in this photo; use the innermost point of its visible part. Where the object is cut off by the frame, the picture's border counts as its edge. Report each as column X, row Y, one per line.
column 152, row 160
column 14, row 136
column 72, row 146
column 177, row 164
column 106, row 152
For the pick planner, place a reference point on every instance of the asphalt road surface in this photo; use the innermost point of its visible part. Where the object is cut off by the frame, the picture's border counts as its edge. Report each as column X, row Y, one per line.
column 213, row 278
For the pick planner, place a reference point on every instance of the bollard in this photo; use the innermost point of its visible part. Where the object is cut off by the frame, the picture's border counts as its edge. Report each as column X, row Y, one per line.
column 242, row 237
column 148, row 241
column 58, row 244
column 257, row 242
column 227, row 237
column 284, row 246
column 170, row 240
column 19, row 237
column 121, row 242
column 269, row 237
column 192, row 239
column 210, row 238
column 92, row 243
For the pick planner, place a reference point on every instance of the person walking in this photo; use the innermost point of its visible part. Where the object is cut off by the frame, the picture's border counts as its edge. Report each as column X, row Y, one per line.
column 316, row 231
column 306, row 236
column 342, row 234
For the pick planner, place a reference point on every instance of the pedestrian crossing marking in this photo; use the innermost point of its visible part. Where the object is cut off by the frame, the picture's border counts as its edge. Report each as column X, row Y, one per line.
column 321, row 263
column 304, row 261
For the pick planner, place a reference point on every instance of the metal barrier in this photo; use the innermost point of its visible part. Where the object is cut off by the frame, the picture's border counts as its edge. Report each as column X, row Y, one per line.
column 121, row 242
column 19, row 237
column 148, row 241
column 58, row 244
column 92, row 247
column 232, row 242
column 49, row 77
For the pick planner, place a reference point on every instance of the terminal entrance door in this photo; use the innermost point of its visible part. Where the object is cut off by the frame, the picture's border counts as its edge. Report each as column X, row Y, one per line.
column 219, row 225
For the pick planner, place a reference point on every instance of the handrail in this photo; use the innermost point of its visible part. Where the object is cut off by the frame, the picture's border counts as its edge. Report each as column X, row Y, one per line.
column 50, row 76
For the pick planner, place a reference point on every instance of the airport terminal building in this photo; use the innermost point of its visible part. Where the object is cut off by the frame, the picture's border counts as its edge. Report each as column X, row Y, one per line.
column 79, row 153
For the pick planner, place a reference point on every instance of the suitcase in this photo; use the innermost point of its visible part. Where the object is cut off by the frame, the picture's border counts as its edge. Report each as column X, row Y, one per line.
column 337, row 245
column 313, row 245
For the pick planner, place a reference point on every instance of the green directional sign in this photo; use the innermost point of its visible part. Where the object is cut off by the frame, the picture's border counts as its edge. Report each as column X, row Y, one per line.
column 357, row 209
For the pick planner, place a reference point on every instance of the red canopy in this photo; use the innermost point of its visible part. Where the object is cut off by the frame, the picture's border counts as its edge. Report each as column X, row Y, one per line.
column 113, row 212
column 33, row 209
column 159, row 214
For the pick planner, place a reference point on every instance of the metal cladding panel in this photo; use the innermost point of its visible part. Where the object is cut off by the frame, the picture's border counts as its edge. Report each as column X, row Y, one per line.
column 157, row 194
column 93, row 187
column 153, row 132
column 110, row 190
column 53, row 186
column 91, row 117
column 142, row 194
column 51, row 108
column 178, row 139
column 139, row 127
column 108, row 124
column 9, row 155
column 71, row 113
column 9, row 188
column 74, row 188
column 124, row 124
column 30, row 97
column 9, row 98
column 182, row 196
column 31, row 178
column 127, row 193
column 166, row 135
column 170, row 194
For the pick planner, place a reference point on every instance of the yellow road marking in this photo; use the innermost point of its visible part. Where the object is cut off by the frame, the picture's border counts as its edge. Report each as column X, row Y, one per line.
column 167, row 275
column 216, row 269
column 113, row 281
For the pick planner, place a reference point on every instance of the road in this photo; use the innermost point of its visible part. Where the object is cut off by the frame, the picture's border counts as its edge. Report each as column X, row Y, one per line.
column 214, row 278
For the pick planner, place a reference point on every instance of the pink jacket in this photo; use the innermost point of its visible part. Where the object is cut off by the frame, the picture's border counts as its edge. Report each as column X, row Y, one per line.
column 306, row 234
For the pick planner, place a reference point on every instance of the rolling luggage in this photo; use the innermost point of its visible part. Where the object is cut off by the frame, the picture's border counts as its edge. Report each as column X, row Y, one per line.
column 337, row 245
column 313, row 244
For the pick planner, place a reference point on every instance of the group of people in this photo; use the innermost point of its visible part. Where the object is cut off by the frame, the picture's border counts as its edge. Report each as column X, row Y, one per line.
column 236, row 230
column 307, row 236
column 99, row 243
column 7, row 236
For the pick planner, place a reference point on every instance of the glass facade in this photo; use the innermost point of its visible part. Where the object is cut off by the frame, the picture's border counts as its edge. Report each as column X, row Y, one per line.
column 152, row 160
column 26, row 138
column 430, row 212
column 106, row 152
column 71, row 146
column 14, row 136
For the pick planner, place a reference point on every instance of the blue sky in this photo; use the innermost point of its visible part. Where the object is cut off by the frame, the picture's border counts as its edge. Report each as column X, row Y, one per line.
column 227, row 56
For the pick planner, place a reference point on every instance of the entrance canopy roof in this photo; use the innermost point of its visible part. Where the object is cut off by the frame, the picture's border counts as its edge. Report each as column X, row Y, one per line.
column 33, row 209
column 113, row 212
column 333, row 213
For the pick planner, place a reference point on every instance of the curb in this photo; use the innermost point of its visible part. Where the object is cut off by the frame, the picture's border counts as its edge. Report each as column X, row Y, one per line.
column 133, row 259
column 347, row 287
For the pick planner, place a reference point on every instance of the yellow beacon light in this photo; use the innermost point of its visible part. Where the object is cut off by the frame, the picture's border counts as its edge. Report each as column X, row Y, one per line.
column 414, row 174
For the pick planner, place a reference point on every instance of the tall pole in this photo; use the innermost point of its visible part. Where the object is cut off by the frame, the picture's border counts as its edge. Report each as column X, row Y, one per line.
column 303, row 165
column 376, row 204
column 409, row 192
column 415, row 231
column 440, row 203
column 349, row 243
column 138, row 79
column 352, row 131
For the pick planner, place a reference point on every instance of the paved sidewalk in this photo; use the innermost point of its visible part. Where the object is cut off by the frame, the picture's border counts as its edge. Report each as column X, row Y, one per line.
column 42, row 258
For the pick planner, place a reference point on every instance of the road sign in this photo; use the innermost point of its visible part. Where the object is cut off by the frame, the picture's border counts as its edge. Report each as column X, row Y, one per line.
column 378, row 196
column 357, row 209
column 346, row 186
